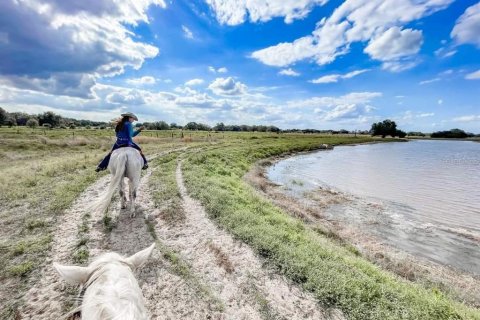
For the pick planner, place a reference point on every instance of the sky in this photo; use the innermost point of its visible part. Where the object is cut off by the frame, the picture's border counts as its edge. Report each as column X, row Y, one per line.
column 322, row 64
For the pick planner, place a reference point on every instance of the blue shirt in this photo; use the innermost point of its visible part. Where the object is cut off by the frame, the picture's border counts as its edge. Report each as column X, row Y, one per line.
column 125, row 135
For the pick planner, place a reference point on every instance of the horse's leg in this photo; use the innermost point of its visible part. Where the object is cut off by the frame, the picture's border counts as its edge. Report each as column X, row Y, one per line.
column 132, row 186
column 123, row 197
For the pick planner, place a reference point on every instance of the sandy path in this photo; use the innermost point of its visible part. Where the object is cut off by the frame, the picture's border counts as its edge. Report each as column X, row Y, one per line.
column 168, row 296
column 45, row 300
column 232, row 270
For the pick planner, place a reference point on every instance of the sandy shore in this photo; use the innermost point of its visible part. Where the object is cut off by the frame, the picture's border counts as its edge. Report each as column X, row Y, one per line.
column 459, row 285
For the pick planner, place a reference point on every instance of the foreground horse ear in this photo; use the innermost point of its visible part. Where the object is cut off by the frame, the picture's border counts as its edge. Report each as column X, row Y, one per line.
column 139, row 258
column 73, row 274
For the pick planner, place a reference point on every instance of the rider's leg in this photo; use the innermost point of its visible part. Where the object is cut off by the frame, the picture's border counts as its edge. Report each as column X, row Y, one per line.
column 145, row 163
column 103, row 165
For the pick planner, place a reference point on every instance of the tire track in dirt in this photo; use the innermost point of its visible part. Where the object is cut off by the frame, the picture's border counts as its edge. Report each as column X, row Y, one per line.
column 232, row 270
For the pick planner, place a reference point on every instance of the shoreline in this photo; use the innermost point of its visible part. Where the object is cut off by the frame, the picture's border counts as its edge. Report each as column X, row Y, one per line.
column 460, row 285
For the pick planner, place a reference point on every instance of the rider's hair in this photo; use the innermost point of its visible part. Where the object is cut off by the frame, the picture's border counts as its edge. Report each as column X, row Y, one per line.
column 121, row 124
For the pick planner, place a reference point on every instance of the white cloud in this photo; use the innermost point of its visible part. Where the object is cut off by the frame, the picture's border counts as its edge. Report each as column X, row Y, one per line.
column 335, row 77
column 355, row 105
column 187, row 32
column 194, row 82
column 359, row 21
column 467, row 27
column 423, row 115
column 429, row 81
column 395, row 45
column 440, row 101
column 146, row 80
column 289, row 72
column 473, row 76
column 227, row 87
column 219, row 70
column 445, row 52
column 71, row 44
column 234, row 12
column 470, row 118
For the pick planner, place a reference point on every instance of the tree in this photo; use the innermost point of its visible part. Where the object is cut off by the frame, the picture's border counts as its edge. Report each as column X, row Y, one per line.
column 32, row 123
column 49, row 117
column 191, row 126
column 219, row 127
column 11, row 121
column 3, row 116
column 385, row 128
column 454, row 133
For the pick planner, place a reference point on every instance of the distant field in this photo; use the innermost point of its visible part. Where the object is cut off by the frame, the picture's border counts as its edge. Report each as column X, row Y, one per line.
column 43, row 171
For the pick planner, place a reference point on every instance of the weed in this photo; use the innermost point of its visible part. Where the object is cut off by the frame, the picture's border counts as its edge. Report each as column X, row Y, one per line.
column 22, row 269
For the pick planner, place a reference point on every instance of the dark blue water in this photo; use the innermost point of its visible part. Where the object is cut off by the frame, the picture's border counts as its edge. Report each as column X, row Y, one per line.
column 422, row 196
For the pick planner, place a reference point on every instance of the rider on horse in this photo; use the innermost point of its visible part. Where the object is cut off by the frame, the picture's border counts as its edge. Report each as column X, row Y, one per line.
column 125, row 133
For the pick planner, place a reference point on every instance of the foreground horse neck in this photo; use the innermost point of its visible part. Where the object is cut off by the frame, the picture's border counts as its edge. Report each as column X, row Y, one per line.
column 111, row 291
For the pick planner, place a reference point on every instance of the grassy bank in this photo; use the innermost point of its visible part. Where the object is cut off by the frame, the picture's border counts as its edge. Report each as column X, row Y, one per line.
column 336, row 276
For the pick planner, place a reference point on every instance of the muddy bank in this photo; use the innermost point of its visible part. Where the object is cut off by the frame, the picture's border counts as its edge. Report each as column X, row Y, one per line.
column 312, row 210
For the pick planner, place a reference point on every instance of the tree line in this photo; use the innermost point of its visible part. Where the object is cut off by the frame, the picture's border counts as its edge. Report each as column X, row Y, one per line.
column 50, row 119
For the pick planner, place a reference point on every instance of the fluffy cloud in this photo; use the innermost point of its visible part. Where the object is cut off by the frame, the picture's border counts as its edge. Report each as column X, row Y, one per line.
column 473, row 76
column 146, row 80
column 194, row 82
column 227, row 87
column 359, row 21
column 467, row 27
column 234, row 12
column 354, row 105
column 335, row 77
column 184, row 105
column 70, row 42
column 289, row 72
column 394, row 45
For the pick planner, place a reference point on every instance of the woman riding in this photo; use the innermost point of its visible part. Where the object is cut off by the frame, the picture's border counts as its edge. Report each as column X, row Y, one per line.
column 125, row 133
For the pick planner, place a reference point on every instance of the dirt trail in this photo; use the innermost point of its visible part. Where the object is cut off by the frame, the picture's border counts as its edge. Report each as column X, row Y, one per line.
column 232, row 270
column 46, row 299
column 229, row 281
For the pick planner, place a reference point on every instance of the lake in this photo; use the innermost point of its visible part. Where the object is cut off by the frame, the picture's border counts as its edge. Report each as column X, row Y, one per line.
column 421, row 196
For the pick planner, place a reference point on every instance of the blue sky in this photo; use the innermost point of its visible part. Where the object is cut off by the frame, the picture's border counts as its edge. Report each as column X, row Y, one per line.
column 323, row 64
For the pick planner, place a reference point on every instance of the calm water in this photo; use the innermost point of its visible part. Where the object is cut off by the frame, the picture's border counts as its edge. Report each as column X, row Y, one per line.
column 422, row 196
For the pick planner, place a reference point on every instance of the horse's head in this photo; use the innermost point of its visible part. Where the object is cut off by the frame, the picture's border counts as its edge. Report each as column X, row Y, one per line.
column 108, row 283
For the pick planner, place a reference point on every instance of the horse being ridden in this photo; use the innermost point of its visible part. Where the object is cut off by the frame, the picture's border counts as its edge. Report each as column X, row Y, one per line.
column 124, row 132
column 124, row 162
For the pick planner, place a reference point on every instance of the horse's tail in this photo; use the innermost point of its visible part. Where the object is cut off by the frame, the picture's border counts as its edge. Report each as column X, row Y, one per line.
column 106, row 198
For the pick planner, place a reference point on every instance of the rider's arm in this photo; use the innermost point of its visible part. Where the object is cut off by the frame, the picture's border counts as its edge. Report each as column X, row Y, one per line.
column 131, row 132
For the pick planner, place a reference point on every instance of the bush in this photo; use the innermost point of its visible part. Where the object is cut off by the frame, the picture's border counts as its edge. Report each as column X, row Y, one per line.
column 32, row 123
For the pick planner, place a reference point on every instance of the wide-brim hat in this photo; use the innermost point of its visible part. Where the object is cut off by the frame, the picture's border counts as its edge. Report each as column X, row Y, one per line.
column 130, row 115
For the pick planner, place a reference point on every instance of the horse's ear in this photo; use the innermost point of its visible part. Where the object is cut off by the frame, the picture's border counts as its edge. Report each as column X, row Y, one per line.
column 73, row 274
column 139, row 258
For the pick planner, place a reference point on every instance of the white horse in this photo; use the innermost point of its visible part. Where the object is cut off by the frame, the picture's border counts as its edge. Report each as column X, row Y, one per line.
column 111, row 291
column 124, row 162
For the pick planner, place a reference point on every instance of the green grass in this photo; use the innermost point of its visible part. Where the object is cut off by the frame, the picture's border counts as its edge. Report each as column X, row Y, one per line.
column 337, row 277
